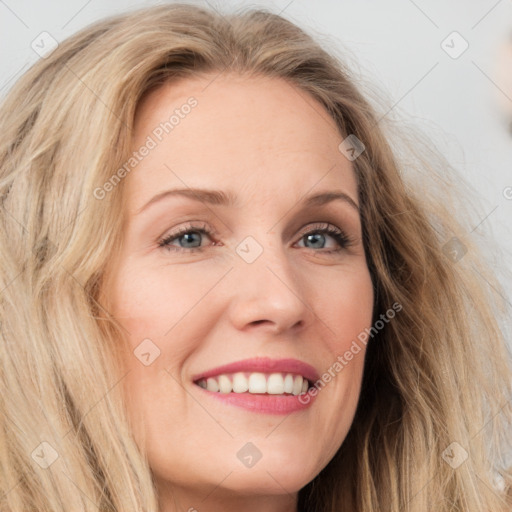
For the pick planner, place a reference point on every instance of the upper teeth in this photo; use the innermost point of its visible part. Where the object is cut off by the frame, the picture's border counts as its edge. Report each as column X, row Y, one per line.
column 241, row 382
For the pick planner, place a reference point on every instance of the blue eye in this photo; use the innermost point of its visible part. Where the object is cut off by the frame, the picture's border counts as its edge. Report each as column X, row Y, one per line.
column 189, row 233
column 191, row 237
column 316, row 235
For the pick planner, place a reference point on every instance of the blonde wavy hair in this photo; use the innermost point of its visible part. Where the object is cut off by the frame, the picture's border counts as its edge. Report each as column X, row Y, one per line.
column 438, row 374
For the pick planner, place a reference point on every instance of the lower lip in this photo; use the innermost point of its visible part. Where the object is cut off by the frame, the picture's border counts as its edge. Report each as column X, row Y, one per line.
column 266, row 404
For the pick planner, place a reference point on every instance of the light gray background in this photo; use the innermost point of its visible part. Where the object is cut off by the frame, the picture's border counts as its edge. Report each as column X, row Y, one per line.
column 463, row 104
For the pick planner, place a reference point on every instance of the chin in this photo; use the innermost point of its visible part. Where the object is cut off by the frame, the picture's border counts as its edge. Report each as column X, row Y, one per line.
column 269, row 480
column 289, row 469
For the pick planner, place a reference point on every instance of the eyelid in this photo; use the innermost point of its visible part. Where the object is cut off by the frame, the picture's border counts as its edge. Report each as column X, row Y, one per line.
column 341, row 236
column 343, row 240
column 185, row 229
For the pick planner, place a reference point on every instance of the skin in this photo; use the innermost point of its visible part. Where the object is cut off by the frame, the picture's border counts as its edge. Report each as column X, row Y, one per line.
column 270, row 144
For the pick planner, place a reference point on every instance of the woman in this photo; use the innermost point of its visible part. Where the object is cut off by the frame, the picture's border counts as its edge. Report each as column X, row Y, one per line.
column 248, row 369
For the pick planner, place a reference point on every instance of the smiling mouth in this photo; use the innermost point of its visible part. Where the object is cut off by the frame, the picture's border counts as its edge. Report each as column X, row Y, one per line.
column 256, row 383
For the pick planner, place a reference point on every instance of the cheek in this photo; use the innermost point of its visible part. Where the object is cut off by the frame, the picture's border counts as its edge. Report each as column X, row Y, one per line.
column 346, row 306
column 346, row 311
column 152, row 301
column 153, row 313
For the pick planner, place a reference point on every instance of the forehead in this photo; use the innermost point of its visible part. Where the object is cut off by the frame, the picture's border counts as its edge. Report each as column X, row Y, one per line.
column 255, row 134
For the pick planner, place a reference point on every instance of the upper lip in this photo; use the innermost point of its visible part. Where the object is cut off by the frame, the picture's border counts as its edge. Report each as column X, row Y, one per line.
column 264, row 365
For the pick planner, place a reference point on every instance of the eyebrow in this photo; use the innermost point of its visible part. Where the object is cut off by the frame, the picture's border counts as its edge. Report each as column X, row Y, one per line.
column 220, row 198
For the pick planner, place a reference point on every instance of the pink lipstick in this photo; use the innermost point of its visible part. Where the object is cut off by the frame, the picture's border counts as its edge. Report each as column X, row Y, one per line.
column 272, row 386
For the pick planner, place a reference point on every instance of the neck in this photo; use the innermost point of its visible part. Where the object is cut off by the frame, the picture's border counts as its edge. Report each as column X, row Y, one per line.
column 174, row 498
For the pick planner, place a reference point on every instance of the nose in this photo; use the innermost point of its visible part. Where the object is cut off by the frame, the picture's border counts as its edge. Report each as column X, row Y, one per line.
column 269, row 294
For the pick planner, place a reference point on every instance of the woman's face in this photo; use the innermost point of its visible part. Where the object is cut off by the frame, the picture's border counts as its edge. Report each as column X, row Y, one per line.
column 264, row 289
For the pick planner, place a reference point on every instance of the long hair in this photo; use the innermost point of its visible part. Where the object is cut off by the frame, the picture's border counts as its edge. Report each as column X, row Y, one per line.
column 437, row 378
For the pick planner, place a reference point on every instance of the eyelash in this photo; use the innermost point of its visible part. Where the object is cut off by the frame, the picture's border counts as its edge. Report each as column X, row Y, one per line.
column 343, row 240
